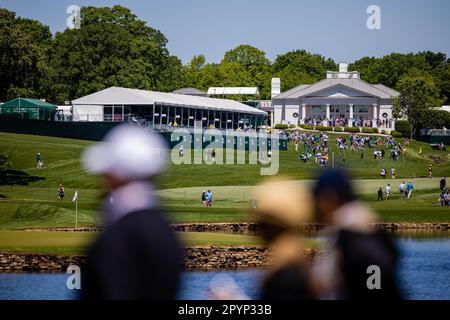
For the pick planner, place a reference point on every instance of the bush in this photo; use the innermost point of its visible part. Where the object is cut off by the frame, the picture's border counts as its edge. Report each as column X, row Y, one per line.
column 370, row 130
column 324, row 128
column 351, row 129
column 402, row 127
column 375, row 130
column 292, row 126
column 396, row 134
column 281, row 126
column 383, row 131
column 338, row 129
column 307, row 127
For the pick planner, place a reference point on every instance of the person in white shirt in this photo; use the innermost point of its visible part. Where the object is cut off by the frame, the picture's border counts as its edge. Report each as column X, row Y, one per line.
column 402, row 188
column 387, row 191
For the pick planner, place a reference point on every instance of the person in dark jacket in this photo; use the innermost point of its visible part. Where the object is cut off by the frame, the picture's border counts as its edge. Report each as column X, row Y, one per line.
column 137, row 256
column 442, row 184
column 281, row 207
column 356, row 246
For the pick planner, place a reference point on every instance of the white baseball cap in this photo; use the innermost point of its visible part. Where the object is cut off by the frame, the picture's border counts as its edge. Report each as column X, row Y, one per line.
column 127, row 152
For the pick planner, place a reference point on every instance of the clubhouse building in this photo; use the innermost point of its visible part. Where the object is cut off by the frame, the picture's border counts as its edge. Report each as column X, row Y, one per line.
column 341, row 99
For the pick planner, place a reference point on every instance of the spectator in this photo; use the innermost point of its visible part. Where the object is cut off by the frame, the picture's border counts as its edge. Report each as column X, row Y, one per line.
column 61, row 192
column 137, row 255
column 204, row 198
column 393, row 173
column 442, row 198
column 409, row 189
column 402, row 189
column 209, row 198
column 387, row 191
column 356, row 244
column 442, row 184
column 281, row 207
column 380, row 195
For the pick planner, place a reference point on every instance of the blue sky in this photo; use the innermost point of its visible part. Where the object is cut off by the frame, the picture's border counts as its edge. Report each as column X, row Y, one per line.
column 335, row 29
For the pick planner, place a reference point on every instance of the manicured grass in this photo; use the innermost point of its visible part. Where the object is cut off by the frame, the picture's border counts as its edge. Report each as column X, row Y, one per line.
column 72, row 243
column 75, row 243
column 28, row 196
column 62, row 243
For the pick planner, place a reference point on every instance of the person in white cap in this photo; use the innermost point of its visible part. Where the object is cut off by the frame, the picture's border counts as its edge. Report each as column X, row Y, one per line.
column 137, row 256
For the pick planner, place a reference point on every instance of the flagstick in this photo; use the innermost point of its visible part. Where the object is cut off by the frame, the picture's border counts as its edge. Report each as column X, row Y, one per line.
column 76, row 214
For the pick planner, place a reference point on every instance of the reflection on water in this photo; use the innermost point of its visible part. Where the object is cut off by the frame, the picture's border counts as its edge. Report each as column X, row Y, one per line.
column 424, row 274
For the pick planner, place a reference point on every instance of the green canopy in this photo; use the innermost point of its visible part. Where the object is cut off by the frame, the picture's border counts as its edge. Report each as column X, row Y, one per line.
column 29, row 108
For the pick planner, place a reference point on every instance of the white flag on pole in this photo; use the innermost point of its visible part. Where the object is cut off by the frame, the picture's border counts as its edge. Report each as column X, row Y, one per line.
column 75, row 196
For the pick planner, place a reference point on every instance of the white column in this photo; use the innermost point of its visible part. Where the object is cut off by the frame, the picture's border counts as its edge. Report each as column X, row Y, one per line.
column 375, row 116
column 350, row 119
column 328, row 115
column 303, row 113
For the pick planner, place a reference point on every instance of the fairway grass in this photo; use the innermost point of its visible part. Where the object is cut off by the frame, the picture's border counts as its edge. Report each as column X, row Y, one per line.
column 28, row 196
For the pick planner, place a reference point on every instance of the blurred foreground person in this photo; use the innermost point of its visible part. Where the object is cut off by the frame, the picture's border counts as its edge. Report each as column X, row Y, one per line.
column 356, row 245
column 137, row 255
column 282, row 206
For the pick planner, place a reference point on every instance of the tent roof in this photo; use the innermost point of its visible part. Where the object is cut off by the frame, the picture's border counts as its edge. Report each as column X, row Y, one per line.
column 190, row 91
column 28, row 103
column 126, row 96
column 233, row 90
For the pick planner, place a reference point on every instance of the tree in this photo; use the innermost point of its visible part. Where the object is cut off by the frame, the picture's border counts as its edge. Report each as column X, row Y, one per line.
column 112, row 48
column 300, row 67
column 418, row 94
column 247, row 56
column 24, row 47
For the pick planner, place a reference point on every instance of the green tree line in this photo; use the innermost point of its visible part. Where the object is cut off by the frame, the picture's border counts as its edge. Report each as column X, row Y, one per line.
column 114, row 48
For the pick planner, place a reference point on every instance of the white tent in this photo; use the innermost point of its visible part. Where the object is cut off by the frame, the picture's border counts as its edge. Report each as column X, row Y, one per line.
column 87, row 112
column 91, row 107
column 233, row 90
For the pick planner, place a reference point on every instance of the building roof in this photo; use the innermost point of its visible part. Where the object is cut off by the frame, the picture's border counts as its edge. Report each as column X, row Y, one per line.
column 190, row 92
column 443, row 108
column 233, row 90
column 126, row 96
column 379, row 91
column 28, row 103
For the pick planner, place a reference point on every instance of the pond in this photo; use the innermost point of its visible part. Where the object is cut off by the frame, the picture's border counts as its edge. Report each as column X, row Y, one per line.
column 424, row 273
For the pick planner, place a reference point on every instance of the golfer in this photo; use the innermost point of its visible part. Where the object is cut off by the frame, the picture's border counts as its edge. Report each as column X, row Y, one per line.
column 137, row 256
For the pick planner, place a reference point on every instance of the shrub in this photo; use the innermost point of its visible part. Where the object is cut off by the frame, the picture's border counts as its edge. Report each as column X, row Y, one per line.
column 338, row 129
column 383, row 131
column 370, row 130
column 324, row 128
column 292, row 126
column 281, row 126
column 402, row 127
column 396, row 134
column 351, row 129
column 307, row 127
column 375, row 130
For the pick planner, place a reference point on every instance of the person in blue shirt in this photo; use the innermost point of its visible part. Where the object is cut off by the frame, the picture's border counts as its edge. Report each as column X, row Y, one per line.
column 208, row 198
column 409, row 188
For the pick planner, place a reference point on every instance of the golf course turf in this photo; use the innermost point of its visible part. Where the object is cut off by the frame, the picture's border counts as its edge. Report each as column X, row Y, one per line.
column 28, row 196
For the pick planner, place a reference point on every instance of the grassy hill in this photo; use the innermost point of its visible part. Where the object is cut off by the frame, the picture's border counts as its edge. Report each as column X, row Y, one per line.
column 28, row 196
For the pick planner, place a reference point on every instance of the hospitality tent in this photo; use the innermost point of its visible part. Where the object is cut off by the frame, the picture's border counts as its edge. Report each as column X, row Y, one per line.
column 29, row 108
column 162, row 108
